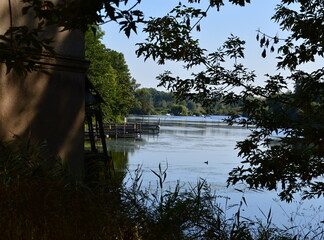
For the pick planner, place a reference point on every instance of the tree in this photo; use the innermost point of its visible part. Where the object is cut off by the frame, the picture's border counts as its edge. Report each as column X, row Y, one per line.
column 297, row 160
column 109, row 73
column 151, row 101
column 144, row 102
column 179, row 110
column 22, row 46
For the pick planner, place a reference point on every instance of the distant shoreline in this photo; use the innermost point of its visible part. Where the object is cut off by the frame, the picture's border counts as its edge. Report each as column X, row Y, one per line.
column 211, row 119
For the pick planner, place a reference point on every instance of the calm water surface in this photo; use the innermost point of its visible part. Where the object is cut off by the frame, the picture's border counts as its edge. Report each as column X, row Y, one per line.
column 185, row 144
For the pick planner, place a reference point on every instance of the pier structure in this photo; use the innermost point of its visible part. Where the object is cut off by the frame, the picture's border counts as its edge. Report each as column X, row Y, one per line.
column 128, row 130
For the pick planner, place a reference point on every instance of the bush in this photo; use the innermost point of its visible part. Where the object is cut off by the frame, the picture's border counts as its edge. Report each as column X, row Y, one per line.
column 39, row 200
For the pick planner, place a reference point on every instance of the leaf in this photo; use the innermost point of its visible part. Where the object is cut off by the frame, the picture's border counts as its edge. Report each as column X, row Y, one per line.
column 269, row 216
column 262, row 41
column 264, row 53
column 188, row 22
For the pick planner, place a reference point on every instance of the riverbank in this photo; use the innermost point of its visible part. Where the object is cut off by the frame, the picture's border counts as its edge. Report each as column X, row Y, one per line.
column 41, row 200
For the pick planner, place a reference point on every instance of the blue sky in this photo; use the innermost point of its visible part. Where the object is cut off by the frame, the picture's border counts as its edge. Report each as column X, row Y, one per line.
column 231, row 19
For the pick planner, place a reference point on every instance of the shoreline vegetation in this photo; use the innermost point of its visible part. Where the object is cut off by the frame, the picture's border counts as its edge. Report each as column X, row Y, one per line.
column 149, row 101
column 40, row 200
column 122, row 94
column 210, row 119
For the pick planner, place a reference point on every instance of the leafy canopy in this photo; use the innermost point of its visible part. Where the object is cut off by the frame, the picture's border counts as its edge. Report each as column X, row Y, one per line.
column 21, row 47
column 110, row 75
column 296, row 159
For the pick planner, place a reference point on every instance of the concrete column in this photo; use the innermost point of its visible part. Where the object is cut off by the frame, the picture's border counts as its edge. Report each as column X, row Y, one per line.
column 44, row 106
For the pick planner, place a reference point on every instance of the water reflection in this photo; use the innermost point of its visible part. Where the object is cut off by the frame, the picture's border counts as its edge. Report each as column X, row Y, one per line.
column 174, row 131
column 184, row 147
column 120, row 160
column 118, row 168
column 124, row 145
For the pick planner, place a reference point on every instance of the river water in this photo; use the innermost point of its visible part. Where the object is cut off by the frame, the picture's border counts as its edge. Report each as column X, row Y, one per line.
column 192, row 148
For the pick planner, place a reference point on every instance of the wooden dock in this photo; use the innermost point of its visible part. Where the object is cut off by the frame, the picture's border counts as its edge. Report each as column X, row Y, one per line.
column 130, row 130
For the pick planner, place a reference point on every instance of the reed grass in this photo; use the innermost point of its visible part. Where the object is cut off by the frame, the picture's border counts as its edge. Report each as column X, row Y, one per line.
column 40, row 200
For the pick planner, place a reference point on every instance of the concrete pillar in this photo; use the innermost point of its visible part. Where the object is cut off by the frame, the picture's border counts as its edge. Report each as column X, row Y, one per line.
column 49, row 106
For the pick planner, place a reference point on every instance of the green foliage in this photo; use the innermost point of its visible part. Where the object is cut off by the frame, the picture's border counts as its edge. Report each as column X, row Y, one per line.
column 25, row 158
column 110, row 75
column 144, row 102
column 169, row 37
column 305, row 25
column 21, row 48
column 151, row 101
column 296, row 160
column 79, row 14
column 192, row 213
column 40, row 200
column 179, row 110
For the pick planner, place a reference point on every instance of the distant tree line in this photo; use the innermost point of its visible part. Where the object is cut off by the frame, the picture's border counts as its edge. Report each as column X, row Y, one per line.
column 150, row 101
column 110, row 75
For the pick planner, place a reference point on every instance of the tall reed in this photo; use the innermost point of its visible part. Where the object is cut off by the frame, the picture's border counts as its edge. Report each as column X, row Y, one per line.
column 39, row 200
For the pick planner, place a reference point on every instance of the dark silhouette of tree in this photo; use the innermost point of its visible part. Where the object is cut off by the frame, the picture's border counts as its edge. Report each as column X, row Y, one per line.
column 21, row 47
column 295, row 161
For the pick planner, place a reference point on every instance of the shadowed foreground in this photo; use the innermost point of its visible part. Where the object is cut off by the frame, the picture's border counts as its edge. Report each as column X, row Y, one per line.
column 38, row 200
